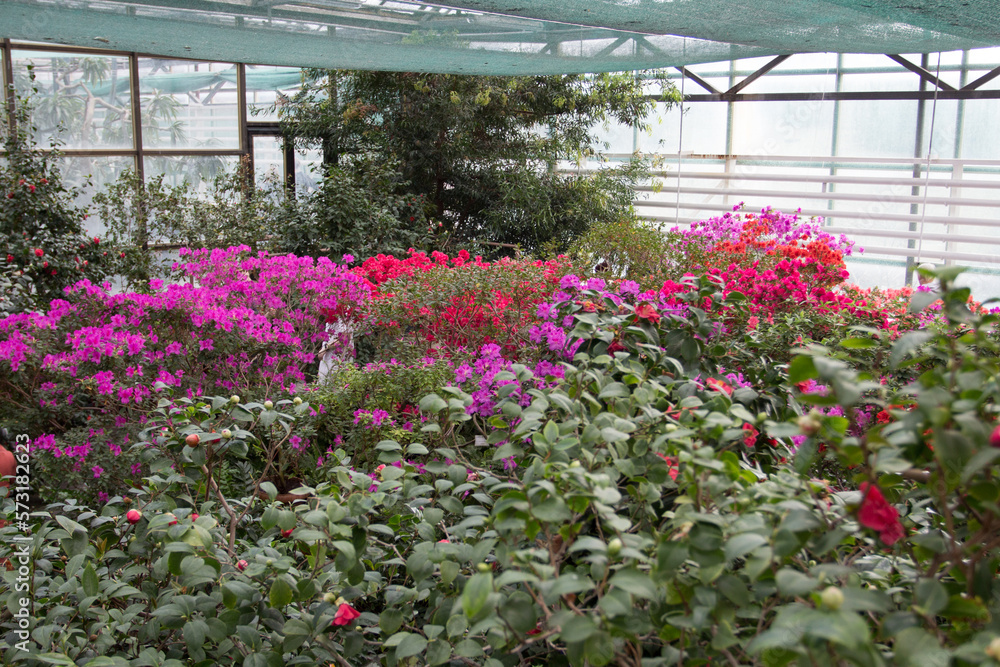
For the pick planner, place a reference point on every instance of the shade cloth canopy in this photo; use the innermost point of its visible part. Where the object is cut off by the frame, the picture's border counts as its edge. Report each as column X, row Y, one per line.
column 503, row 36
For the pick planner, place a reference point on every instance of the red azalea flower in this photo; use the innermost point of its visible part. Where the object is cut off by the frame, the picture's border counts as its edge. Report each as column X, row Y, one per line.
column 750, row 435
column 876, row 513
column 345, row 614
column 647, row 311
column 39, row 252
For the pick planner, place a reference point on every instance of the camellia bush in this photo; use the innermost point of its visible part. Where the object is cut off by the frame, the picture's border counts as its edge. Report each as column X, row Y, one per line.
column 45, row 242
column 646, row 478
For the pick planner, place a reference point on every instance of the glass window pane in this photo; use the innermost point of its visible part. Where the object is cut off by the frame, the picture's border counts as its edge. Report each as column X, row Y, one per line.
column 92, row 175
column 308, row 170
column 268, row 160
column 199, row 171
column 82, row 100
column 187, row 104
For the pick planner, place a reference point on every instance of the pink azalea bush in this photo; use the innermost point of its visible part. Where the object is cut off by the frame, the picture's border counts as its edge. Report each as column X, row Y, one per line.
column 83, row 374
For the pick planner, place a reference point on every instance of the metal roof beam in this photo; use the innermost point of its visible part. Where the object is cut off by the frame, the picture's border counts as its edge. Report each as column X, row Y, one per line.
column 697, row 79
column 989, row 76
column 756, row 75
column 920, row 71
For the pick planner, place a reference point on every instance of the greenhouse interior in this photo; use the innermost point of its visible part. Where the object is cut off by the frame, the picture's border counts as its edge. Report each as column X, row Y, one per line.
column 570, row 332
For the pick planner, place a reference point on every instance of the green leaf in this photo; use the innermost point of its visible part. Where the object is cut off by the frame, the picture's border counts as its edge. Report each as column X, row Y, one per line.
column 55, row 659
column 552, row 510
column 599, row 649
column 281, row 593
column 802, row 368
column 743, row 544
column 613, row 435
column 793, row 583
column 906, row 344
column 931, row 596
column 614, row 390
column 91, row 584
column 915, row 647
column 438, row 652
column 390, row 620
column 412, row 644
column 477, row 590
column 635, row 582
column 921, row 300
column 270, row 489
column 432, row 404
column 858, row 343
column 70, row 527
column 577, row 629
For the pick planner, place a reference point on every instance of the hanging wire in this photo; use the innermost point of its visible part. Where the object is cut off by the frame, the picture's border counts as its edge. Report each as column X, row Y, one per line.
column 680, row 146
column 927, row 167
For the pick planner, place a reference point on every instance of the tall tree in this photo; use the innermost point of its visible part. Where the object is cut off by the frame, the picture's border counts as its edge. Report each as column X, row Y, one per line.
column 483, row 150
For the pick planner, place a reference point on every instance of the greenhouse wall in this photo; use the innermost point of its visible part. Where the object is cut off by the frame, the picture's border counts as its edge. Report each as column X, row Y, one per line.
column 910, row 180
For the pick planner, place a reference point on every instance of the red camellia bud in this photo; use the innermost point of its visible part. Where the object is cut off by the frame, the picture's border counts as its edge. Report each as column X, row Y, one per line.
column 39, row 252
column 96, row 240
column 10, row 258
column 44, row 181
column 10, row 195
column 133, row 516
column 31, row 188
column 241, row 565
column 995, row 437
column 45, row 265
column 192, row 440
column 194, row 516
column 287, row 533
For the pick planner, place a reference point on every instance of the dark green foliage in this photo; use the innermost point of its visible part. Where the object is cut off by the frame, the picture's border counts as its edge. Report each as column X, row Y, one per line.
column 482, row 151
column 362, row 210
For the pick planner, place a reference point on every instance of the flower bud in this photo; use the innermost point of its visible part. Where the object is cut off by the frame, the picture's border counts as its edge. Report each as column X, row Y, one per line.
column 268, row 405
column 615, row 547
column 483, row 567
column 241, row 565
column 832, row 598
column 234, row 399
column 133, row 516
column 993, row 650
column 297, row 401
column 995, row 437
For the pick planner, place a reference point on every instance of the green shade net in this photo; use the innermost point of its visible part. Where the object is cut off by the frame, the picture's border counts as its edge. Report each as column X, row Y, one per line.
column 172, row 83
column 503, row 36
